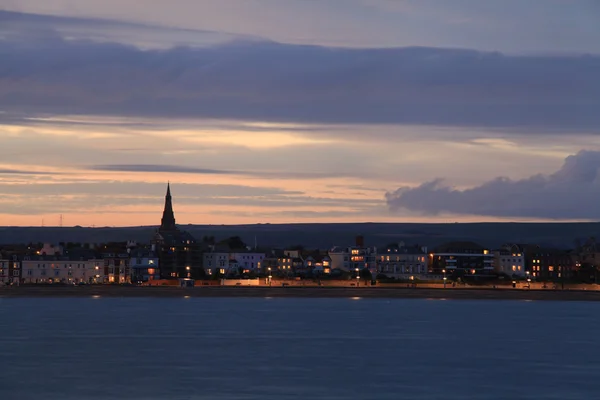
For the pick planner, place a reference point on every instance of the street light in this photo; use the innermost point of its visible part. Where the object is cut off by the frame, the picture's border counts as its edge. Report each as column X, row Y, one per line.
column 357, row 276
column 270, row 276
column 444, row 272
column 528, row 280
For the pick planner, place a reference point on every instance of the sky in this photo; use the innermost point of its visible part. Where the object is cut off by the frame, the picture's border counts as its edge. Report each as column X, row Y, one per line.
column 281, row 111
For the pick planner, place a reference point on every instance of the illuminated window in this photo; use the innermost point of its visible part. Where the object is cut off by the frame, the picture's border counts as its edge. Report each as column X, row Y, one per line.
column 514, row 268
column 551, row 268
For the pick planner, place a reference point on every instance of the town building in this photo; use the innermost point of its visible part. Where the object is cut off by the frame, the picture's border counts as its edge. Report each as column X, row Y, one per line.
column 232, row 262
column 179, row 254
column 318, row 264
column 144, row 265
column 549, row 264
column 14, row 271
column 50, row 250
column 461, row 259
column 399, row 261
column 282, row 263
column 7, row 271
column 61, row 269
column 510, row 260
column 115, row 260
column 354, row 258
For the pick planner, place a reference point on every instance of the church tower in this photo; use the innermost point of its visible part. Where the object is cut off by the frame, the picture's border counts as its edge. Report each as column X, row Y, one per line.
column 179, row 255
column 167, row 223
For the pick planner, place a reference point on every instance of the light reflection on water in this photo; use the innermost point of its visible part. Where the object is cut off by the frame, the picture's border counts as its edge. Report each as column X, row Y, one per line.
column 244, row 348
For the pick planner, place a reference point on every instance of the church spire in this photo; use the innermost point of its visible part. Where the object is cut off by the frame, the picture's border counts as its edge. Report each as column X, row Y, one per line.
column 168, row 219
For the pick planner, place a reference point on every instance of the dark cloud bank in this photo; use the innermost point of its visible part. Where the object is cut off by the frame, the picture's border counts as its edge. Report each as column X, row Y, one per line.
column 250, row 80
column 573, row 192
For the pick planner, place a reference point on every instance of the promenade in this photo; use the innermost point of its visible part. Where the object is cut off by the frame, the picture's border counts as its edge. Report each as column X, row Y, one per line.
column 299, row 292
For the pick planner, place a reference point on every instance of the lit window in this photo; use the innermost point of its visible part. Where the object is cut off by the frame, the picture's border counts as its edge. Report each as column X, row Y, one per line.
column 514, row 268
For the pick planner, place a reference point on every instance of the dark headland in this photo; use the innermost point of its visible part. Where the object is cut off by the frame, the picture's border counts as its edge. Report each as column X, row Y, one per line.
column 298, row 292
column 328, row 235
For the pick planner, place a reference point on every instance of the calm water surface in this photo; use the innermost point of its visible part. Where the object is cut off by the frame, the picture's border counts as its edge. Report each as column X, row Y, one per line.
column 238, row 348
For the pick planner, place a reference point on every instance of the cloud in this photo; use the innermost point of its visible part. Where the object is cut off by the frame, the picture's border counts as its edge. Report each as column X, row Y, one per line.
column 507, row 25
column 111, row 197
column 208, row 171
column 9, row 171
column 26, row 25
column 572, row 192
column 266, row 81
column 159, row 168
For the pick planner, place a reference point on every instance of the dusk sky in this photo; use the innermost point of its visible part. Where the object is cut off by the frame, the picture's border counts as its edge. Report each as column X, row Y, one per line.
column 299, row 111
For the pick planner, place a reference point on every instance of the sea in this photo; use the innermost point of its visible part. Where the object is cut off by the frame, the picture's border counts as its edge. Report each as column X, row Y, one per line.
column 297, row 348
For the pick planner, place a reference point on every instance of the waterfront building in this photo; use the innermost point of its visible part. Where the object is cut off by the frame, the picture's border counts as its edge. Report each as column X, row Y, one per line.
column 461, row 259
column 14, row 270
column 179, row 254
column 283, row 262
column 115, row 260
column 403, row 262
column 144, row 265
column 549, row 264
column 5, row 271
column 61, row 269
column 318, row 264
column 510, row 260
column 357, row 257
column 235, row 262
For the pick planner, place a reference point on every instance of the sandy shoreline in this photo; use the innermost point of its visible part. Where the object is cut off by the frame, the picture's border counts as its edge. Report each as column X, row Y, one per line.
column 299, row 292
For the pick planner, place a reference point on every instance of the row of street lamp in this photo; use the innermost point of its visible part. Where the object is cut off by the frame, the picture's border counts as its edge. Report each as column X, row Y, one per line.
column 357, row 270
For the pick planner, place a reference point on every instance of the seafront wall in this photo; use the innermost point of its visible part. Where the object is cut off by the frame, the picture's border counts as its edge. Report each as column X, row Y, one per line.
column 299, row 292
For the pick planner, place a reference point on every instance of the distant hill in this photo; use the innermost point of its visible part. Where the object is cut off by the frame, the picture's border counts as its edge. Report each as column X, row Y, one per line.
column 328, row 235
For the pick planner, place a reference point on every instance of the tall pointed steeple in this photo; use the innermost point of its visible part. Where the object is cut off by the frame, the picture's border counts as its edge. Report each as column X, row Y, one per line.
column 168, row 219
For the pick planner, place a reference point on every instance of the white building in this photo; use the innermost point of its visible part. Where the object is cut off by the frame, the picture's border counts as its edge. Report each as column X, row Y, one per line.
column 50, row 250
column 402, row 262
column 40, row 269
column 510, row 260
column 231, row 262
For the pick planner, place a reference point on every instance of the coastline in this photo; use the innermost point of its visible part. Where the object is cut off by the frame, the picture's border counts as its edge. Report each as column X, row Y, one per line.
column 300, row 292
